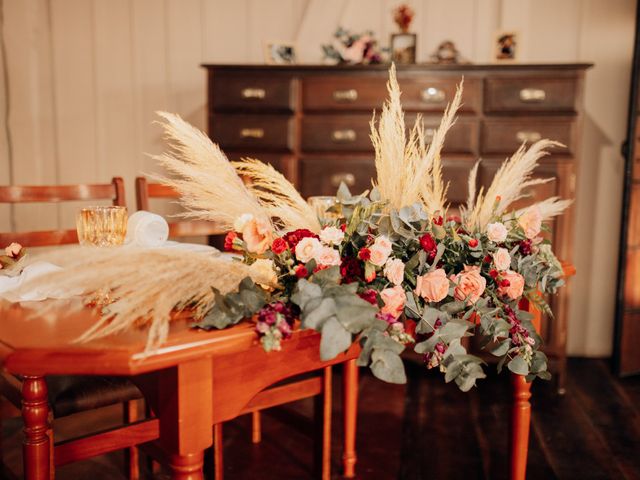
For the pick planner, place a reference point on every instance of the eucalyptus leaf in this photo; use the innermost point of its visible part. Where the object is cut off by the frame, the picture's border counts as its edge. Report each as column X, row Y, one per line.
column 335, row 339
column 387, row 366
column 518, row 365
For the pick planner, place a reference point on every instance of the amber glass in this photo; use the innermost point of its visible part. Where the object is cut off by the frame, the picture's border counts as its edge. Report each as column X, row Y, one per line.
column 102, row 226
column 321, row 205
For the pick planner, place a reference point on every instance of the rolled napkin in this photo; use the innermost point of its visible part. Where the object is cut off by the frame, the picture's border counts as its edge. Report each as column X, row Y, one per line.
column 146, row 229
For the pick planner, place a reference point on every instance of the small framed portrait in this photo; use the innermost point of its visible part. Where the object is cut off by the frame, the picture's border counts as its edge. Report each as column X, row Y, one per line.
column 279, row 53
column 506, row 46
column 403, row 47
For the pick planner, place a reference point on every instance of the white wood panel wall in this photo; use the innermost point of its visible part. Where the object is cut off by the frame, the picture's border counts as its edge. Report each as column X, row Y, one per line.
column 80, row 81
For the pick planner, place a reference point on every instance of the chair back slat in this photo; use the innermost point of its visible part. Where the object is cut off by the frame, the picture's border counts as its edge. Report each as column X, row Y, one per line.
column 17, row 194
column 184, row 228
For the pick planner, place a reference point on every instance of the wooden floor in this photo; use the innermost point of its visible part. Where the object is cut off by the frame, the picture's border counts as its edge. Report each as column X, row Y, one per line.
column 429, row 430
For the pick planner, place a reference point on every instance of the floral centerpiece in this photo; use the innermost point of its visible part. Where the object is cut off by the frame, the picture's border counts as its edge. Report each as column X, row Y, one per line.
column 353, row 48
column 390, row 268
column 13, row 257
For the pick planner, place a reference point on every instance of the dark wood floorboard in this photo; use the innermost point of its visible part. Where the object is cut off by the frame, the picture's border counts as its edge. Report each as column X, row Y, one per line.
column 423, row 430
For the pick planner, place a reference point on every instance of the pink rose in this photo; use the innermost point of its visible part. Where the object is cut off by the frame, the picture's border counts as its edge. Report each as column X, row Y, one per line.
column 502, row 259
column 497, row 232
column 380, row 251
column 308, row 248
column 257, row 235
column 531, row 222
column 513, row 287
column 394, row 271
column 432, row 286
column 469, row 285
column 327, row 256
column 394, row 300
column 331, row 235
column 13, row 250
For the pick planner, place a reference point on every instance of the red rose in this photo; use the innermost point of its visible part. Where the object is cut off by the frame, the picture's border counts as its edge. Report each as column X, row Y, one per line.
column 364, row 254
column 279, row 245
column 228, row 241
column 370, row 296
column 292, row 238
column 301, row 271
column 473, row 243
column 351, row 269
column 505, row 283
column 428, row 243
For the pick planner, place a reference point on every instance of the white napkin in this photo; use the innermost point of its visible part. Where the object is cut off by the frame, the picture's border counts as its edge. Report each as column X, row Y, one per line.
column 11, row 287
column 146, row 229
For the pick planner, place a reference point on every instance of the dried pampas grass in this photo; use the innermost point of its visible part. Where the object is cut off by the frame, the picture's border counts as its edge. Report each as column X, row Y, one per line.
column 277, row 196
column 508, row 184
column 407, row 170
column 209, row 186
column 149, row 285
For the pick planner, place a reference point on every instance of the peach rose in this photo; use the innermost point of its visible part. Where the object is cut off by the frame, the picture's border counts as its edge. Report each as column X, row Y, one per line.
column 394, row 299
column 380, row 251
column 497, row 232
column 394, row 270
column 13, row 250
column 531, row 222
column 331, row 235
column 432, row 286
column 502, row 259
column 257, row 235
column 327, row 256
column 516, row 285
column 307, row 249
column 469, row 285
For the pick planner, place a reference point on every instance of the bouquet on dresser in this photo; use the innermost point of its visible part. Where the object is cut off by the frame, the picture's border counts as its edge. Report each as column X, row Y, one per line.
column 390, row 268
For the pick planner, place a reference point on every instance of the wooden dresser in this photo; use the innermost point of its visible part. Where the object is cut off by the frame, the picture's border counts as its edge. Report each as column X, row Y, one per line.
column 312, row 123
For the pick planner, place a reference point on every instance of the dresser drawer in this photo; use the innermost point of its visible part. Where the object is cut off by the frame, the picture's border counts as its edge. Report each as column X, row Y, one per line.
column 251, row 93
column 252, row 132
column 506, row 135
column 424, row 94
column 533, row 94
column 350, row 133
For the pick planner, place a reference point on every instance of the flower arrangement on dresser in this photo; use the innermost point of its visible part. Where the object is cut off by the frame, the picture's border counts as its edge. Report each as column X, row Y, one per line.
column 389, row 268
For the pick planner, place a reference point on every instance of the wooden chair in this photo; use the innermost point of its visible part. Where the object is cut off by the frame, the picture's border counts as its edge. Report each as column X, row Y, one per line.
column 71, row 395
column 286, row 392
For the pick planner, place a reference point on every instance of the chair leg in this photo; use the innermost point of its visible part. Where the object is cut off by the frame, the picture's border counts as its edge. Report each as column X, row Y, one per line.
column 36, row 447
column 256, row 427
column 131, row 454
column 218, row 461
column 323, row 428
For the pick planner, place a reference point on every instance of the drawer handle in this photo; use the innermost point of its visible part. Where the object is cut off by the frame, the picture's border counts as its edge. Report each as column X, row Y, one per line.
column 528, row 136
column 255, row 93
column 349, row 179
column 433, row 95
column 350, row 95
column 252, row 133
column 532, row 95
column 429, row 134
column 346, row 136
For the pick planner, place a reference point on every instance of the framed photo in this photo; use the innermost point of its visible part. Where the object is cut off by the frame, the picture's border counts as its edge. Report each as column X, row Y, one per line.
column 279, row 53
column 403, row 47
column 506, row 46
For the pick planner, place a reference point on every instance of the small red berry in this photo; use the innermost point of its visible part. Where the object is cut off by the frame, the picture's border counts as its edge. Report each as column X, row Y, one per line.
column 428, row 243
column 473, row 243
column 301, row 271
column 493, row 273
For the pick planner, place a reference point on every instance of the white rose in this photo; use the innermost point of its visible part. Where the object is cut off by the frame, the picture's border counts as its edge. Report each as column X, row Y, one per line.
column 331, row 235
column 242, row 221
column 394, row 271
column 264, row 271
column 502, row 259
column 307, row 249
column 327, row 256
column 497, row 232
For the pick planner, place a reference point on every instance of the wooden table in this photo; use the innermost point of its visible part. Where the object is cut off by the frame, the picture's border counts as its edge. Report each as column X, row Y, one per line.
column 196, row 380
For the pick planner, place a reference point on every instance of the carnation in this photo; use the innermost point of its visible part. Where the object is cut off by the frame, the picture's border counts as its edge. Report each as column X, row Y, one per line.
column 428, row 243
column 294, row 237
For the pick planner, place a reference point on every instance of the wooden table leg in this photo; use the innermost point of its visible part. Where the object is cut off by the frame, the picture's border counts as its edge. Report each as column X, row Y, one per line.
column 520, row 424
column 36, row 448
column 323, row 427
column 218, row 452
column 187, row 467
column 350, row 406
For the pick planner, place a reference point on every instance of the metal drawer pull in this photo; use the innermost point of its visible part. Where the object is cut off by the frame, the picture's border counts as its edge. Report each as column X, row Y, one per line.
column 350, row 95
column 252, row 133
column 433, row 95
column 348, row 135
column 532, row 95
column 429, row 134
column 349, row 179
column 257, row 93
column 528, row 136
